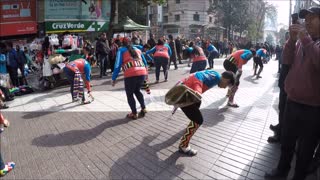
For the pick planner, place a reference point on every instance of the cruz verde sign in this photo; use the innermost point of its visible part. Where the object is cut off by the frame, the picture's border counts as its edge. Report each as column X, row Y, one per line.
column 76, row 26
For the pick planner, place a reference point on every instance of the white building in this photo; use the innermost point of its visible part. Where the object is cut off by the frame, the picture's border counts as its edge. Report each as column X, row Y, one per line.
column 187, row 18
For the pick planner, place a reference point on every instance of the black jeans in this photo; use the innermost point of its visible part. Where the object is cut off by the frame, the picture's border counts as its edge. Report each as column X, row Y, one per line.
column 282, row 105
column 13, row 72
column 193, row 113
column 161, row 62
column 103, row 59
column 301, row 122
column 70, row 77
column 198, row 66
column 211, row 57
column 173, row 59
column 132, row 86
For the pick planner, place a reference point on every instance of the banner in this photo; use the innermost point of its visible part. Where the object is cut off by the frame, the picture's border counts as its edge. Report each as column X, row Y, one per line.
column 98, row 10
column 12, row 29
column 17, row 10
column 76, row 26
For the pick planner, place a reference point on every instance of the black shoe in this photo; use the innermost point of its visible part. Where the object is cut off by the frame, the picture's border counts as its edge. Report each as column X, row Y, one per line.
column 276, row 174
column 274, row 128
column 274, row 139
column 105, row 74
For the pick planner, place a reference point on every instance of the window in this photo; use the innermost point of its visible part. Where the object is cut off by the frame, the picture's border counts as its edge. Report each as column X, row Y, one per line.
column 177, row 1
column 177, row 17
column 165, row 19
column 196, row 17
column 210, row 19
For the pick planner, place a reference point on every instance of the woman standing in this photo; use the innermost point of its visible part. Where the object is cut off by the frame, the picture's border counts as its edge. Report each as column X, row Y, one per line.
column 134, row 66
column 162, row 53
column 199, row 59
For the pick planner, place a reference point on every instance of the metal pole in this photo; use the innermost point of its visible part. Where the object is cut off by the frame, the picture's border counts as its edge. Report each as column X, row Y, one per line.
column 290, row 11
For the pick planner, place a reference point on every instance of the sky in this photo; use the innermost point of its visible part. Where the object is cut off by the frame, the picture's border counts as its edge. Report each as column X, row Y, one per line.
column 283, row 10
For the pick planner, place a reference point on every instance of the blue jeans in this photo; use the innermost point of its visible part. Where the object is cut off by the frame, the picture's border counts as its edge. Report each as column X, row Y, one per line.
column 132, row 86
column 2, row 165
column 161, row 62
column 198, row 66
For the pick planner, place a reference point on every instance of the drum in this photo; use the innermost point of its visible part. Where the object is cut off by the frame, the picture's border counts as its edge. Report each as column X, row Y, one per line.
column 182, row 96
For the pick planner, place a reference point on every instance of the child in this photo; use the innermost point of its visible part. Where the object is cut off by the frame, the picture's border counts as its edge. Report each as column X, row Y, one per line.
column 5, row 168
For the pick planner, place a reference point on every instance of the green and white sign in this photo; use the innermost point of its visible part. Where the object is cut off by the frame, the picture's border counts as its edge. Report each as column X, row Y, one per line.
column 76, row 26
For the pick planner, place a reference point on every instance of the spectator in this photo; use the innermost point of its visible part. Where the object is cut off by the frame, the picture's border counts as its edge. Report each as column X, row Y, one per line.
column 152, row 43
column 178, row 48
column 12, row 64
column 173, row 57
column 302, row 111
column 22, row 60
column 103, row 50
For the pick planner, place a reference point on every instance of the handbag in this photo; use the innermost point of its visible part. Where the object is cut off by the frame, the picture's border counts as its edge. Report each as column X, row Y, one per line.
column 182, row 96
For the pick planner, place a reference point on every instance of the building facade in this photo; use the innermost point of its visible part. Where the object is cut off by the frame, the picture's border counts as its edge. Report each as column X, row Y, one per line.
column 187, row 18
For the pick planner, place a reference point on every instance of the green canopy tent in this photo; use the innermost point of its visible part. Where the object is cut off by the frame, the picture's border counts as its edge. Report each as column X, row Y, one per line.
column 129, row 25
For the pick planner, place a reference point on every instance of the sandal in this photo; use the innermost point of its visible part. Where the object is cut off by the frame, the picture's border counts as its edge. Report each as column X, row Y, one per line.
column 142, row 113
column 188, row 151
column 132, row 116
column 233, row 105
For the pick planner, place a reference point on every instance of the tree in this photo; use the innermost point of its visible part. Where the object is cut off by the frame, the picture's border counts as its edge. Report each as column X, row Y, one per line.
column 282, row 36
column 270, row 39
column 132, row 8
column 234, row 14
column 265, row 10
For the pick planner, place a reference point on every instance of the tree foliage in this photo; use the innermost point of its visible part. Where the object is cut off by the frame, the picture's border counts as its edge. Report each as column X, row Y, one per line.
column 135, row 9
column 270, row 39
column 235, row 15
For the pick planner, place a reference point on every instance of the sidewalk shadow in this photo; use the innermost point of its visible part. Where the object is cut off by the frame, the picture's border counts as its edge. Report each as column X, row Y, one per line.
column 32, row 114
column 249, row 79
column 75, row 137
column 157, row 169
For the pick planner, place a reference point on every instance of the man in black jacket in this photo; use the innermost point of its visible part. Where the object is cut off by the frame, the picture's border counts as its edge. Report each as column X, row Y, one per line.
column 103, row 50
column 178, row 48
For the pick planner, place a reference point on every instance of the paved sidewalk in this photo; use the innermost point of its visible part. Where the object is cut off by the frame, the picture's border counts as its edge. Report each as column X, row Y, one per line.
column 50, row 138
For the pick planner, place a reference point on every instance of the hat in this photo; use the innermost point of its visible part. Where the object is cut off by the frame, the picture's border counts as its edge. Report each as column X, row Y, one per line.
column 126, row 40
column 313, row 10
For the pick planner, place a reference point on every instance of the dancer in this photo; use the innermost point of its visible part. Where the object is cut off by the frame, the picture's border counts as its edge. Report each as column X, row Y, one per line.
column 162, row 53
column 5, row 168
column 234, row 64
column 213, row 53
column 134, row 66
column 74, row 71
column 261, row 53
column 198, row 83
column 199, row 59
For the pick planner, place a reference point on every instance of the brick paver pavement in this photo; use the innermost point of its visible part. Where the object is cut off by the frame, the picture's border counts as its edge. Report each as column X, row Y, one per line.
column 97, row 142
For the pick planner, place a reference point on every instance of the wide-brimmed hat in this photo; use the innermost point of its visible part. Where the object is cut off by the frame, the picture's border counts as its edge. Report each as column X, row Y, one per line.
column 312, row 10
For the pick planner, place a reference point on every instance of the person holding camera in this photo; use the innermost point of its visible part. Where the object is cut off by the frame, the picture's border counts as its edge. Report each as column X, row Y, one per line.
column 302, row 109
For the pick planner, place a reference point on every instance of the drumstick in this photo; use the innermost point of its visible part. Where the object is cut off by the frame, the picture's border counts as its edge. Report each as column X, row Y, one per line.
column 174, row 110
